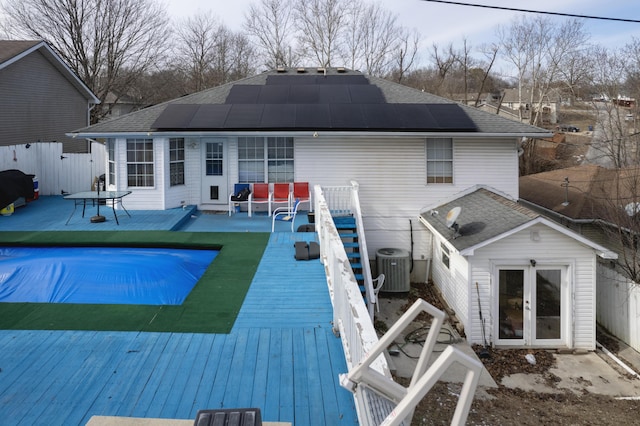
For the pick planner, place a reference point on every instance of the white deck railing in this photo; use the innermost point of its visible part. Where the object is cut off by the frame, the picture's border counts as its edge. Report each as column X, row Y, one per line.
column 344, row 201
column 379, row 400
column 351, row 318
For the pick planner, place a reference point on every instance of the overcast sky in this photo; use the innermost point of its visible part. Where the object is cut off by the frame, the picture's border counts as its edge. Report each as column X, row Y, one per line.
column 444, row 23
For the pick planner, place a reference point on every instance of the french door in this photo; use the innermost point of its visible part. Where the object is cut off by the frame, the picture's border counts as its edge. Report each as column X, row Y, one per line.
column 533, row 306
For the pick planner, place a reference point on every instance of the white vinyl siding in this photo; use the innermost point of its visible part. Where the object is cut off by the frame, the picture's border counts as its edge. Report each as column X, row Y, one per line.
column 392, row 177
column 552, row 248
column 39, row 103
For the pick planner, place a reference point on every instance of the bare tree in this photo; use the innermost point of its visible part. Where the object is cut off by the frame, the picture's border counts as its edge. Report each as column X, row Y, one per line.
column 613, row 144
column 536, row 47
column 444, row 65
column 209, row 54
column 270, row 26
column 372, row 38
column 320, row 25
column 195, row 48
column 406, row 54
column 99, row 39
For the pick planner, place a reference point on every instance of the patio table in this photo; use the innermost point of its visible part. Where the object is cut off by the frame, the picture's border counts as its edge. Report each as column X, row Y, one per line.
column 81, row 198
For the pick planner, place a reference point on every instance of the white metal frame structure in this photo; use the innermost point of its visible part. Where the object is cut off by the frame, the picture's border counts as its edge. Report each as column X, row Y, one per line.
column 367, row 384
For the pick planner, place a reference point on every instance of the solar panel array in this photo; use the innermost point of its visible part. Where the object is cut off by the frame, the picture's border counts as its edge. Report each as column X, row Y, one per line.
column 313, row 102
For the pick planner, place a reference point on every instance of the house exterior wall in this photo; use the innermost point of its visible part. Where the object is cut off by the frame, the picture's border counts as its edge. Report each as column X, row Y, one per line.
column 392, row 178
column 38, row 103
column 451, row 281
column 553, row 248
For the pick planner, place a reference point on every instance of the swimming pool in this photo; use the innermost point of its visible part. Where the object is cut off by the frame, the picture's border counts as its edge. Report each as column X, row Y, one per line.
column 100, row 275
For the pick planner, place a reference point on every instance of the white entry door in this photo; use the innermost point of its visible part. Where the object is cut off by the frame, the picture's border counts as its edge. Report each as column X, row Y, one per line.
column 214, row 164
column 533, row 306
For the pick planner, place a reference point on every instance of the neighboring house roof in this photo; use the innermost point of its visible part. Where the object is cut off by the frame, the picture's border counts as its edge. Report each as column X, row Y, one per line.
column 14, row 50
column 584, row 192
column 524, row 95
column 335, row 100
column 487, row 216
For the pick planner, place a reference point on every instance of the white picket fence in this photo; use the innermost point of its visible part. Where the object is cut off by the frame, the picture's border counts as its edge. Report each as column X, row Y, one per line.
column 618, row 306
column 56, row 172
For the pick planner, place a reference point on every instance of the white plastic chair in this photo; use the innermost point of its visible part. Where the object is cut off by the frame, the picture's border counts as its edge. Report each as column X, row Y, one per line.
column 378, row 283
column 285, row 214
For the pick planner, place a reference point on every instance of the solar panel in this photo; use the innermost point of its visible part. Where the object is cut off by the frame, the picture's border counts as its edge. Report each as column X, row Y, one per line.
column 244, row 116
column 381, row 117
column 210, row 116
column 344, row 79
column 311, row 116
column 278, row 117
column 243, row 94
column 276, row 94
column 414, row 116
column 451, row 117
column 334, row 94
column 303, row 94
column 346, row 116
column 175, row 116
column 316, row 79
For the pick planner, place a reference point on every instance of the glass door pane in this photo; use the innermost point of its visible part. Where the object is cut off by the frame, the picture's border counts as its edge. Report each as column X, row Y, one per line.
column 511, row 303
column 548, row 303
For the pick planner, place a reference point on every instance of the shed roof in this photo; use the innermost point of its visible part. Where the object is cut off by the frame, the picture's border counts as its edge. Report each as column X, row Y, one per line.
column 487, row 216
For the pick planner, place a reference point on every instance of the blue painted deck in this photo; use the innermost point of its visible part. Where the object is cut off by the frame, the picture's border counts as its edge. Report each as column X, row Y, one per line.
column 281, row 355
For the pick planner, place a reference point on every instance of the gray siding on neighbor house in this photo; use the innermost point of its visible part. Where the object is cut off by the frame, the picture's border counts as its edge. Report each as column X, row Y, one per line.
column 38, row 103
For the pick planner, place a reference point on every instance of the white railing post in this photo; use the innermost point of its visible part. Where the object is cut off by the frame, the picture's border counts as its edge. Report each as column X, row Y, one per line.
column 364, row 254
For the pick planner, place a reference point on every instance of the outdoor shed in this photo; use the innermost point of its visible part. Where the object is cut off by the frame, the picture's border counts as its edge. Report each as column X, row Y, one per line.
column 528, row 281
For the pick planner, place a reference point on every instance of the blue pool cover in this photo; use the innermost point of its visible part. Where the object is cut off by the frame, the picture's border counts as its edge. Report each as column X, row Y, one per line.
column 113, row 275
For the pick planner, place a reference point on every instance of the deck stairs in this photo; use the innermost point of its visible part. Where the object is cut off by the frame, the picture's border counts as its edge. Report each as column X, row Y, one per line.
column 348, row 230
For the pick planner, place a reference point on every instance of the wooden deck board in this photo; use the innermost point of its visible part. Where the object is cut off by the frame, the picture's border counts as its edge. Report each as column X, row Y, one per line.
column 281, row 356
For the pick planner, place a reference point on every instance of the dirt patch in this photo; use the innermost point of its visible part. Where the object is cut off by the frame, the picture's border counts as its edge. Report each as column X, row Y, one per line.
column 508, row 406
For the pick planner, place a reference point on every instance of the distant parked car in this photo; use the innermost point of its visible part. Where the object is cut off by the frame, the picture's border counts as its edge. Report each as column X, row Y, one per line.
column 568, row 128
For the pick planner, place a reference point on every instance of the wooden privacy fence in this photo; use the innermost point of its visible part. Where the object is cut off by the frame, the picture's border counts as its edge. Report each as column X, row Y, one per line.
column 57, row 172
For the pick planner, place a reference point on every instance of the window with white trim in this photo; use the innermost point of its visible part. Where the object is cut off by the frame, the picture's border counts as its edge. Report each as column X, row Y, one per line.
column 176, row 161
column 267, row 159
column 439, row 160
column 111, row 162
column 445, row 255
column 140, row 163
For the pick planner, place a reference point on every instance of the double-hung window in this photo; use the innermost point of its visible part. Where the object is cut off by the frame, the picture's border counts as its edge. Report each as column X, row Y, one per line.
column 140, row 163
column 176, row 161
column 111, row 162
column 439, row 160
column 267, row 159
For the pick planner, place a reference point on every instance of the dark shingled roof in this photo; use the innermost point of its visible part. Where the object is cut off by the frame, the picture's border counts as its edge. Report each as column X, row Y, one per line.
column 484, row 215
column 341, row 100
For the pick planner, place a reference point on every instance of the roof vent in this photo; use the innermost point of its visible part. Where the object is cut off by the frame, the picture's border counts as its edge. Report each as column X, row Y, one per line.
column 301, row 70
column 341, row 69
column 281, row 69
column 321, row 70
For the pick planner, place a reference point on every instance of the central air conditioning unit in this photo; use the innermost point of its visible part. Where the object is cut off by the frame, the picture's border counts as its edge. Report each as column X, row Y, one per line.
column 395, row 264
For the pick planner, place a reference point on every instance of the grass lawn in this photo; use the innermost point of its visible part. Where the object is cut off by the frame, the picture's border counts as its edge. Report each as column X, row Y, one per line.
column 211, row 307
